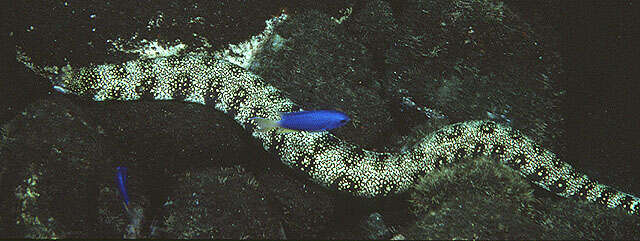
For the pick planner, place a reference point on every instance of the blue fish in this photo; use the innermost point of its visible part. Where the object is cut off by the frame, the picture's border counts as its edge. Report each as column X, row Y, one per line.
column 121, row 177
column 314, row 120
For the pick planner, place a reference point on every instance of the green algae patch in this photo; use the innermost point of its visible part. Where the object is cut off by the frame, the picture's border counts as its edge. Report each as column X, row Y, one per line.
column 481, row 200
column 219, row 203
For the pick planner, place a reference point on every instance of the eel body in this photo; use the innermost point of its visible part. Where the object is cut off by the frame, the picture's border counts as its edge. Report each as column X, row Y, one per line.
column 327, row 160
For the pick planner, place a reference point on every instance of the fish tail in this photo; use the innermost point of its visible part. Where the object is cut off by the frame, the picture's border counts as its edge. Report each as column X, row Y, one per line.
column 126, row 206
column 264, row 124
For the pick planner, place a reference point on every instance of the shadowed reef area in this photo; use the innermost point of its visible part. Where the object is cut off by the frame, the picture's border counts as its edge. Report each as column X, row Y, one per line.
column 196, row 173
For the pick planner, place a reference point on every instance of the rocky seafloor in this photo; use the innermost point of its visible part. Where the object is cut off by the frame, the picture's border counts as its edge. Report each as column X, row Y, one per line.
column 194, row 173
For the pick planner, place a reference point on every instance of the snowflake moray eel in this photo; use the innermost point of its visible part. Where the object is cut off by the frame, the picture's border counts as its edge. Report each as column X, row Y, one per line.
column 327, row 160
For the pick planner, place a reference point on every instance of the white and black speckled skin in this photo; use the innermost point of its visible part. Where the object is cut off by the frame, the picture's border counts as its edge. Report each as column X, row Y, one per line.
column 328, row 160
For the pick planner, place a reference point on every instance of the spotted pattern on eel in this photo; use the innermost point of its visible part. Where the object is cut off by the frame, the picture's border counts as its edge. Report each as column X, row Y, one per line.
column 327, row 160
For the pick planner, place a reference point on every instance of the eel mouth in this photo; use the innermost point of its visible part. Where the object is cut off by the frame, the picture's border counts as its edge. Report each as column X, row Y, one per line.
column 57, row 82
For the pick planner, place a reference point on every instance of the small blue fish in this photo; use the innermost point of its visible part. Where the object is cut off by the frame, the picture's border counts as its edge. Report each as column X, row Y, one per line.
column 314, row 120
column 121, row 177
